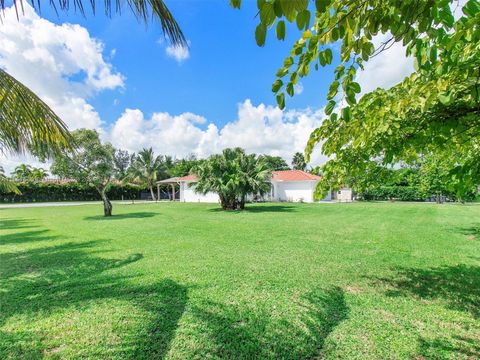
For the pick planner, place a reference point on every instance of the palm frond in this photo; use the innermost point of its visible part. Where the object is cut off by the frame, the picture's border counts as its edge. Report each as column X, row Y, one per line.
column 7, row 185
column 142, row 9
column 26, row 122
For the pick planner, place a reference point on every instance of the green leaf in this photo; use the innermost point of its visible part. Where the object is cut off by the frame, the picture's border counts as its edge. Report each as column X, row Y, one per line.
column 290, row 90
column 288, row 7
column 282, row 72
column 267, row 14
column 346, row 113
column 333, row 90
column 294, row 78
column 260, row 34
column 281, row 101
column 330, row 106
column 321, row 5
column 277, row 85
column 355, row 87
column 300, row 4
column 288, row 61
column 445, row 99
column 328, row 55
column 280, row 30
column 235, row 4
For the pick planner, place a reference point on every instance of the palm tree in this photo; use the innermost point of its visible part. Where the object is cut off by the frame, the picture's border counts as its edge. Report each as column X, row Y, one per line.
column 22, row 172
column 26, row 122
column 298, row 161
column 7, row 185
column 38, row 174
column 233, row 175
column 145, row 169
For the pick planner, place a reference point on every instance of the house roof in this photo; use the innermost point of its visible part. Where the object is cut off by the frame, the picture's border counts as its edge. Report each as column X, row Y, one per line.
column 171, row 180
column 294, row 175
column 283, row 175
column 190, row 177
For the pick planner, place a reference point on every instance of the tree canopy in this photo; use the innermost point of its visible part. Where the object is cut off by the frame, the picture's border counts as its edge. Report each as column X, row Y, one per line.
column 435, row 110
column 91, row 163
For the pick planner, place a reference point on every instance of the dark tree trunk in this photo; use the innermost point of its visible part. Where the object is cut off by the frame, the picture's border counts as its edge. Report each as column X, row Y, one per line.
column 241, row 205
column 107, row 205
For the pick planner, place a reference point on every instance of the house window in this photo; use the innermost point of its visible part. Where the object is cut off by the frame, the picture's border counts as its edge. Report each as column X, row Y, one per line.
column 339, row 192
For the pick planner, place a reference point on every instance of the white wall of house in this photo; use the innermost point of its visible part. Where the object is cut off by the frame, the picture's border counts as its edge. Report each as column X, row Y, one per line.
column 188, row 194
column 296, row 191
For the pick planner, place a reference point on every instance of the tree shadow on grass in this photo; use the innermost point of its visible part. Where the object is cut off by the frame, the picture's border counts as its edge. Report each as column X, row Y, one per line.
column 69, row 277
column 471, row 232
column 135, row 215
column 238, row 334
column 250, row 208
column 27, row 236
column 458, row 286
column 9, row 224
column 453, row 348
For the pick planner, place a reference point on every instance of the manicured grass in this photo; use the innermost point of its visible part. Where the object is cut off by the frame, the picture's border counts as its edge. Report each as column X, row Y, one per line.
column 183, row 281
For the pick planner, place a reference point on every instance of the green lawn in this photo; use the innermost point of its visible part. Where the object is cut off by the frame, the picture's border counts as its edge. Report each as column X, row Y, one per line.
column 296, row 281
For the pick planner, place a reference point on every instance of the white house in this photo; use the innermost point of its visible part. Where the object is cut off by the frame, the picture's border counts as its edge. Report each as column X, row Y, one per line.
column 287, row 185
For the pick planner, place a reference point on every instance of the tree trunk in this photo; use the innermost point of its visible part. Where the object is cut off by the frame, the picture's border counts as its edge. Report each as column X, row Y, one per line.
column 107, row 205
column 153, row 194
column 242, row 203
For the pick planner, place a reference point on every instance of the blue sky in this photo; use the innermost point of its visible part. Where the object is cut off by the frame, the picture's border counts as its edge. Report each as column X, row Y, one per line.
column 224, row 68
column 115, row 75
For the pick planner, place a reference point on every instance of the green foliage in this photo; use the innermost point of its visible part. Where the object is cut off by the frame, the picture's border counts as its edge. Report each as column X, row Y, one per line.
column 7, row 185
column 183, row 167
column 298, row 161
column 68, row 191
column 435, row 110
column 145, row 169
column 402, row 193
column 274, row 163
column 233, row 175
column 90, row 163
column 24, row 172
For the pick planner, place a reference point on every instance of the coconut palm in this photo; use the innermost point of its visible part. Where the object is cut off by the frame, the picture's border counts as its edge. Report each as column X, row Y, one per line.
column 146, row 168
column 38, row 174
column 26, row 122
column 22, row 172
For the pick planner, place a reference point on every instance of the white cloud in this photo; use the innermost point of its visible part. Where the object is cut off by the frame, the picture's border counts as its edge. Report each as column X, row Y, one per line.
column 386, row 69
column 260, row 129
column 179, row 53
column 61, row 63
column 298, row 88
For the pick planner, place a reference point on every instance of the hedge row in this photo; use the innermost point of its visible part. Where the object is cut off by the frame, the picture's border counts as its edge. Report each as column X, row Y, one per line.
column 39, row 192
column 402, row 193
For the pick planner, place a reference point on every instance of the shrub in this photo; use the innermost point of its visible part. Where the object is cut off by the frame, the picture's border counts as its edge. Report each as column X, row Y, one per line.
column 72, row 191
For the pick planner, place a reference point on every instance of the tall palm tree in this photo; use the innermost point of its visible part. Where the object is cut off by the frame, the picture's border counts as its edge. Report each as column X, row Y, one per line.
column 146, row 168
column 26, row 122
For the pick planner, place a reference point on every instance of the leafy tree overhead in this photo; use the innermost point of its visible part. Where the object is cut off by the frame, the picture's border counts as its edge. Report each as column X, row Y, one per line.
column 145, row 169
column 233, row 175
column 275, row 163
column 26, row 122
column 298, row 161
column 91, row 163
column 435, row 110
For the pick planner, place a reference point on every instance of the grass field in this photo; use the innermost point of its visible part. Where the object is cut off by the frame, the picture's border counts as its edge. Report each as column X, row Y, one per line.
column 294, row 281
